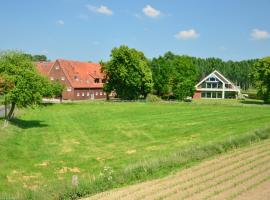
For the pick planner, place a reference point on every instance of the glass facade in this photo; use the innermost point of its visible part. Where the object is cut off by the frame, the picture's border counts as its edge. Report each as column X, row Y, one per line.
column 217, row 84
column 212, row 95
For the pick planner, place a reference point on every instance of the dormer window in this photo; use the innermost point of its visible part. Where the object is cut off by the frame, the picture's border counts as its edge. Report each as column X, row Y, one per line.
column 96, row 80
column 57, row 67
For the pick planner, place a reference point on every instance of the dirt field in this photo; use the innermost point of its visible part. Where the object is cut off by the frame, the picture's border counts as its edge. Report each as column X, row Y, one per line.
column 241, row 174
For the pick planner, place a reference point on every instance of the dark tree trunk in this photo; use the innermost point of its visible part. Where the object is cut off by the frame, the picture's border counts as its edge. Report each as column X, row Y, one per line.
column 61, row 98
column 11, row 111
column 6, row 108
column 107, row 96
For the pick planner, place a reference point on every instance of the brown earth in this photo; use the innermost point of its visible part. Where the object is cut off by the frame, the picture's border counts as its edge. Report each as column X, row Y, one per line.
column 241, row 174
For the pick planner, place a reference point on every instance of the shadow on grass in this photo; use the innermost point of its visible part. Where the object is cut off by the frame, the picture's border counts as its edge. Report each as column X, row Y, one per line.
column 47, row 104
column 26, row 124
column 253, row 102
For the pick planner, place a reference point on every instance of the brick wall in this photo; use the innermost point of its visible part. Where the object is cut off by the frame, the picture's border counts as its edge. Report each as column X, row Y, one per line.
column 57, row 74
column 197, row 95
column 87, row 93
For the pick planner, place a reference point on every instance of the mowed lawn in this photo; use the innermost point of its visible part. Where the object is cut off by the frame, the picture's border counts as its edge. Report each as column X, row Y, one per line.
column 46, row 146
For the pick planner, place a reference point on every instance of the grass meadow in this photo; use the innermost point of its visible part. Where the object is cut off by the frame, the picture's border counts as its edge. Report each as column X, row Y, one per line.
column 44, row 147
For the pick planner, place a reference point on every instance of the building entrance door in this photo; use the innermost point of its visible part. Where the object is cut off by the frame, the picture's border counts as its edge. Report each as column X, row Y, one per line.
column 92, row 96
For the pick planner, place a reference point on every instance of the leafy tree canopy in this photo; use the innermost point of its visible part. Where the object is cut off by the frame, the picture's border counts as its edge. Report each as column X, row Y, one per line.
column 184, row 77
column 36, row 58
column 21, row 85
column 261, row 78
column 128, row 73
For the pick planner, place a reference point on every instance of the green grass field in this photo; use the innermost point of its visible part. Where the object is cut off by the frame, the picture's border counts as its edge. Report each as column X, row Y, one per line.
column 45, row 146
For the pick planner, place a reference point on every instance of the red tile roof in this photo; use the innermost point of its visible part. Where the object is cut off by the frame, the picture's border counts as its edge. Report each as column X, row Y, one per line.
column 44, row 67
column 79, row 74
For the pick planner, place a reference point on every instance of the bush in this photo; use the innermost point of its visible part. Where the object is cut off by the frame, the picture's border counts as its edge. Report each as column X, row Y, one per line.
column 152, row 98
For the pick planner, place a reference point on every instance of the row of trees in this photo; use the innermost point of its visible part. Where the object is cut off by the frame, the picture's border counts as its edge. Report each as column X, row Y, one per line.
column 21, row 84
column 36, row 58
column 131, row 75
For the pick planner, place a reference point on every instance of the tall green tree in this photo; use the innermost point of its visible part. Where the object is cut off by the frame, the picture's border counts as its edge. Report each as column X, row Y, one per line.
column 26, row 86
column 162, row 72
column 184, row 77
column 127, row 73
column 261, row 78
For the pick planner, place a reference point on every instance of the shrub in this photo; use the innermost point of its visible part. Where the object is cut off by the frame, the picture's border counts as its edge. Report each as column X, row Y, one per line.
column 152, row 98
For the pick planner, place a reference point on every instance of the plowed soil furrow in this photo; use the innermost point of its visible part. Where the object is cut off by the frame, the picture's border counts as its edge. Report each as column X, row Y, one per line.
column 194, row 179
column 244, row 185
column 205, row 168
column 207, row 182
column 228, row 183
column 259, row 190
column 226, row 177
column 190, row 175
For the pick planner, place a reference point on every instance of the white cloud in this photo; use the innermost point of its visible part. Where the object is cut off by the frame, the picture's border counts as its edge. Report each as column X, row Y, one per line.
column 60, row 22
column 187, row 34
column 151, row 12
column 258, row 34
column 102, row 9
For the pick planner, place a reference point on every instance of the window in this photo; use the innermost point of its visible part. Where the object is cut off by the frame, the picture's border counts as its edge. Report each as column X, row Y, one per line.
column 208, row 94
column 78, row 94
column 87, row 94
column 57, row 67
column 83, row 94
column 96, row 80
column 214, row 85
column 208, row 85
column 203, row 85
column 103, row 80
column 100, row 93
column 212, row 79
column 52, row 78
column 96, row 93
column 219, row 95
column 203, row 95
column 62, row 78
column 214, row 95
column 219, row 85
column 69, row 89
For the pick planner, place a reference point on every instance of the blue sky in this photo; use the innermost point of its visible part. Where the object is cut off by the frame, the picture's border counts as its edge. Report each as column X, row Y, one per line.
column 87, row 30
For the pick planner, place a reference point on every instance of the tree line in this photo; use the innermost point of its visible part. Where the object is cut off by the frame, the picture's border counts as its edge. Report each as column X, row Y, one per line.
column 132, row 75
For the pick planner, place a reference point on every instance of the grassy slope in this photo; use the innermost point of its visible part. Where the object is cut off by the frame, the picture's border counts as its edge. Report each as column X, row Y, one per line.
column 89, row 136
